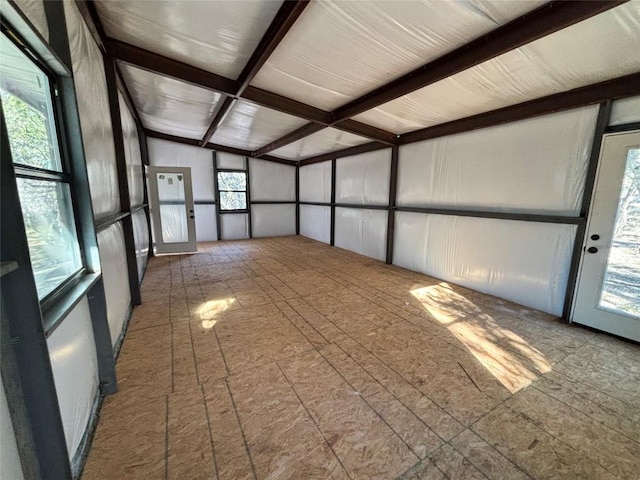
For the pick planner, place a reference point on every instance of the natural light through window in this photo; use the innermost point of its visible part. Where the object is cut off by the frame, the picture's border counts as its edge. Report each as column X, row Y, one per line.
column 506, row 355
column 208, row 311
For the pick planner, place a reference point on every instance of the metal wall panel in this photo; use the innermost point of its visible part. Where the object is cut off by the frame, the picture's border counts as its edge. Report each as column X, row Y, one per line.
column 273, row 220
column 10, row 466
column 625, row 111
column 141, row 240
column 272, row 181
column 362, row 231
column 364, row 179
column 234, row 226
column 135, row 169
column 315, row 222
column 315, row 182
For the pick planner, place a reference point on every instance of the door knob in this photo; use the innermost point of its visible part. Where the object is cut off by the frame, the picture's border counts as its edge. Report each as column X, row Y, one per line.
column 592, row 250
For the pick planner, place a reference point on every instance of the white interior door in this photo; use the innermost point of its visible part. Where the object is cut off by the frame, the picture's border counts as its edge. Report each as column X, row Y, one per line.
column 608, row 289
column 172, row 213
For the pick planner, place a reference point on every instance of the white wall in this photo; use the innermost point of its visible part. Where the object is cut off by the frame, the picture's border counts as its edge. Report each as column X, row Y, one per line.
column 624, row 111
column 272, row 182
column 10, row 467
column 315, row 186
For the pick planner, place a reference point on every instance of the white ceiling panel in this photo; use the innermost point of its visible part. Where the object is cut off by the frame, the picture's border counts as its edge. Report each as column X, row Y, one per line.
column 598, row 49
column 339, row 50
column 217, row 36
column 324, row 141
column 251, row 126
column 170, row 106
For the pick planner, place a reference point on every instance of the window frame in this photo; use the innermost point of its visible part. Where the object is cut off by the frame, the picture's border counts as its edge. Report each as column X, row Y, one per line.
column 245, row 191
column 65, row 175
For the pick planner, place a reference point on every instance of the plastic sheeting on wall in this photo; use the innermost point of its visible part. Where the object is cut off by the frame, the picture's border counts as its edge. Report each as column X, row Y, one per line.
column 34, row 11
column 231, row 161
column 234, row 226
column 10, row 466
column 252, row 126
column 525, row 262
column 95, row 119
column 272, row 181
column 273, row 220
column 170, row 154
column 168, row 105
column 594, row 50
column 536, row 165
column 141, row 240
column 315, row 222
column 324, row 141
column 215, row 36
column 624, row 111
column 364, row 179
column 74, row 363
column 115, row 275
column 135, row 171
column 362, row 231
column 206, row 228
column 376, row 42
column 315, row 182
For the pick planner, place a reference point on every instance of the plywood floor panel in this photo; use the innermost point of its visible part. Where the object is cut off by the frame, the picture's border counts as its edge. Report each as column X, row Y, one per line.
column 284, row 358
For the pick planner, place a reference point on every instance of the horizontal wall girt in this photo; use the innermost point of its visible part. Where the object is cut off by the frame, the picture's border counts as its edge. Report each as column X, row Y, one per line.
column 541, row 22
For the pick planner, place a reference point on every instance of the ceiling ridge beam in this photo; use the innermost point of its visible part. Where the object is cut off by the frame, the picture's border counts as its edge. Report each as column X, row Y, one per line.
column 285, row 18
column 543, row 21
column 596, row 93
column 214, row 146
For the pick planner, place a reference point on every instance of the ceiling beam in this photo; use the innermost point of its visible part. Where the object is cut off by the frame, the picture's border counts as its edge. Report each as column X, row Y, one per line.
column 128, row 99
column 542, row 21
column 290, row 137
column 346, row 152
column 285, row 18
column 214, row 146
column 622, row 87
column 153, row 62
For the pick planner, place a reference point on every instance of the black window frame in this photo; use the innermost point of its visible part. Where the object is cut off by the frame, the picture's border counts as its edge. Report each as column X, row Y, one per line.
column 66, row 175
column 245, row 191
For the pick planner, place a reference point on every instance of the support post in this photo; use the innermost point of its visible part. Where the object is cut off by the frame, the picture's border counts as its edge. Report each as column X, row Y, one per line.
column 332, row 238
column 216, row 194
column 391, row 217
column 298, row 198
column 246, row 160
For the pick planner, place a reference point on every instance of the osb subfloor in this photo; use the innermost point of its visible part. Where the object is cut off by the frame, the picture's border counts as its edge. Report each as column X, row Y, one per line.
column 285, row 358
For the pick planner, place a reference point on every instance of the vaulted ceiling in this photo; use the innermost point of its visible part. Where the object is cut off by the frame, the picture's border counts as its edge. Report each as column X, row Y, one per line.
column 301, row 80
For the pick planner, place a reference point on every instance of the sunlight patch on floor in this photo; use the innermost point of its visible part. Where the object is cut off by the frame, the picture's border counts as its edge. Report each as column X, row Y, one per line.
column 209, row 310
column 503, row 353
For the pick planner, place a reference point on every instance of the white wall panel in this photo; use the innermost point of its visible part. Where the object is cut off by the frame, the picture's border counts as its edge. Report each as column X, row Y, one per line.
column 141, row 240
column 315, row 182
column 273, row 220
column 235, row 226
column 74, row 363
column 229, row 160
column 115, row 276
column 315, row 222
column 10, row 466
column 362, row 231
column 537, row 165
column 34, row 11
column 364, row 179
column 206, row 230
column 624, row 111
column 163, row 153
column 272, row 181
column 135, row 169
column 95, row 119
column 525, row 262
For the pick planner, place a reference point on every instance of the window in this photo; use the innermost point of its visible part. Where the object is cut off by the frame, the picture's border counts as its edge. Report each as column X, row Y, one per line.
column 232, row 186
column 43, row 184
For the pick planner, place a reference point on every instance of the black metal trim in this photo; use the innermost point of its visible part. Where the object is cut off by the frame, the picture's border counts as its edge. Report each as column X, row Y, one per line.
column 105, row 222
column 515, row 216
column 272, row 202
column 604, row 114
column 627, row 127
column 138, row 208
column 391, row 216
column 297, row 199
column 248, row 197
column 332, row 234
column 216, row 195
column 54, row 316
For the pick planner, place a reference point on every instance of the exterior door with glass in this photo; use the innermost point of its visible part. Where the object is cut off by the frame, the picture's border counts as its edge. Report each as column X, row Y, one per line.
column 172, row 214
column 608, row 289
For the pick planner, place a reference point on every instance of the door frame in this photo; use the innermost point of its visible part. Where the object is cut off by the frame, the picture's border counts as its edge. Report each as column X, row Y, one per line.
column 191, row 246
column 621, row 325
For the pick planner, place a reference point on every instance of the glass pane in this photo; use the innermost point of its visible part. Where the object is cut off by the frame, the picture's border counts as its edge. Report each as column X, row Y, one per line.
column 26, row 102
column 621, row 287
column 173, row 207
column 51, row 232
column 232, row 181
column 233, row 201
